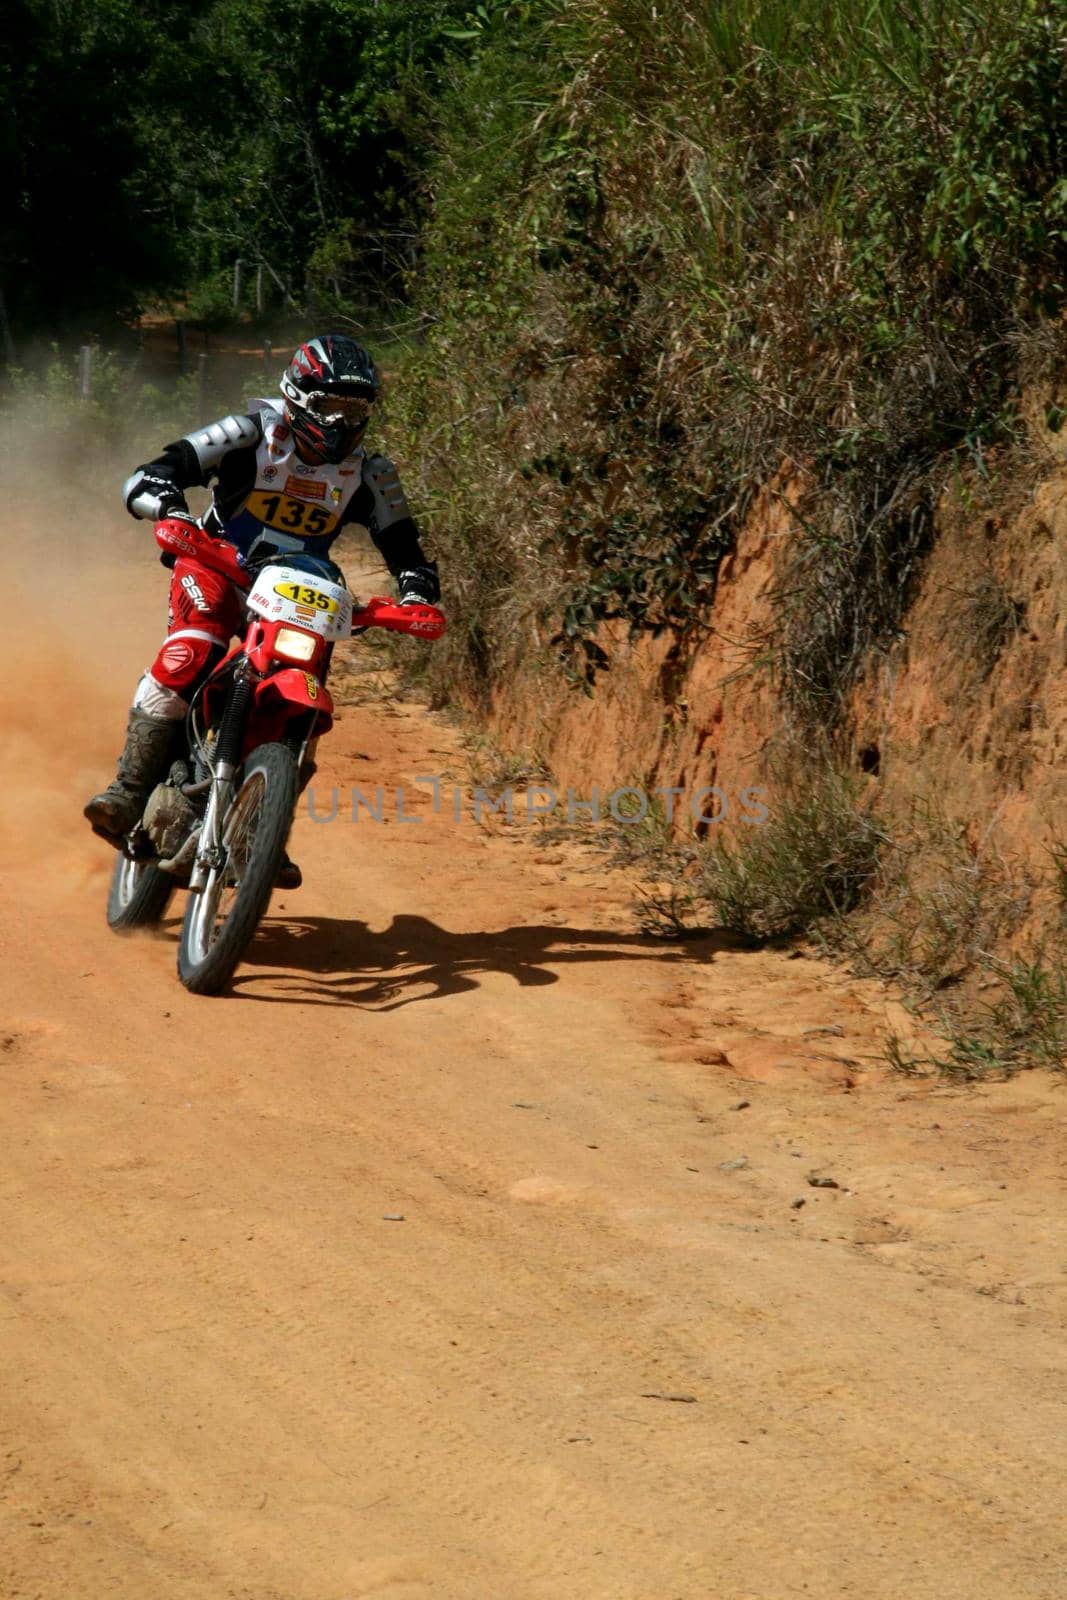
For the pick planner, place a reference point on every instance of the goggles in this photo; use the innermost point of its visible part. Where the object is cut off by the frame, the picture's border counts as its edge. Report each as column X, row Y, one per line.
column 350, row 409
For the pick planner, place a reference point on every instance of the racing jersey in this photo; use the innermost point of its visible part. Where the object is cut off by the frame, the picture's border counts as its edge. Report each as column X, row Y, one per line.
column 265, row 499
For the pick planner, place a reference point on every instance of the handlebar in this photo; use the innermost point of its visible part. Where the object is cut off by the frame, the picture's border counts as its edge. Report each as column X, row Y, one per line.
column 178, row 537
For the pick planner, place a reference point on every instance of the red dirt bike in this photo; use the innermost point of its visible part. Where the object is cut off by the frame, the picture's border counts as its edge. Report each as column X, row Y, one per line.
column 219, row 823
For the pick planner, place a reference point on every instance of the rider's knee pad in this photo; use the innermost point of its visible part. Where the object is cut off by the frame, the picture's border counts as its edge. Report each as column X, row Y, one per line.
column 156, row 700
column 186, row 656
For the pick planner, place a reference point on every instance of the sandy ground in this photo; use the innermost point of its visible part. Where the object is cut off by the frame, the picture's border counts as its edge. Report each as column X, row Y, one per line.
column 469, row 1248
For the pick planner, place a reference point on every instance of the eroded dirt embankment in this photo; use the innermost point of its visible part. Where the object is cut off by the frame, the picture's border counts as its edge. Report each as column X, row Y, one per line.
column 476, row 1246
column 967, row 713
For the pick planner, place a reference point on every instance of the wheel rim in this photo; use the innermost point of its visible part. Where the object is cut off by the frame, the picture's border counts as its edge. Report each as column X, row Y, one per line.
column 129, row 876
column 209, row 909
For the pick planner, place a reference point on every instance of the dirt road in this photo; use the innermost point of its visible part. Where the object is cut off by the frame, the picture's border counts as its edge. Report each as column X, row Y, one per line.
column 469, row 1248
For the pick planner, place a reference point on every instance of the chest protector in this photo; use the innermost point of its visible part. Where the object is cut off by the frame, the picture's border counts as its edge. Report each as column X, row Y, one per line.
column 292, row 506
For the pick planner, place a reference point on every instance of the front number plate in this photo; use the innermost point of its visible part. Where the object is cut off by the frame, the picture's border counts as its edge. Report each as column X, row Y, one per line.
column 284, row 594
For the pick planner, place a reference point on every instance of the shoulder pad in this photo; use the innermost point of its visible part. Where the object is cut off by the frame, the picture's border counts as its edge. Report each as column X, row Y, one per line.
column 217, row 440
column 383, row 480
column 381, row 474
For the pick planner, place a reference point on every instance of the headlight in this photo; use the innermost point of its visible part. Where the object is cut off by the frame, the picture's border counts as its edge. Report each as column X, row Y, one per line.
column 294, row 644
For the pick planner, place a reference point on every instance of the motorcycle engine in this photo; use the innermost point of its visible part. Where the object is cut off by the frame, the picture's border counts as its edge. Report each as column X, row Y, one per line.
column 168, row 818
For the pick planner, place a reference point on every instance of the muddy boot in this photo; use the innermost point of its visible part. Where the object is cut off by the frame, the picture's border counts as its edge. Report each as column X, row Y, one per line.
column 289, row 874
column 143, row 763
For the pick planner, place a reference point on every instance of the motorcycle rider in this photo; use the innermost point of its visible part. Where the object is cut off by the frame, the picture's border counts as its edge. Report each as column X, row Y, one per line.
column 288, row 476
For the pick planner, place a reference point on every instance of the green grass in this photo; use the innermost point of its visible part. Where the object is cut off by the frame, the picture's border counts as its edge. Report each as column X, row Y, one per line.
column 666, row 252
column 811, row 863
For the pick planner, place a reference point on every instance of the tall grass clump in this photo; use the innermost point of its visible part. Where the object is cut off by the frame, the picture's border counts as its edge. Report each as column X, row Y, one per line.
column 670, row 252
column 811, row 863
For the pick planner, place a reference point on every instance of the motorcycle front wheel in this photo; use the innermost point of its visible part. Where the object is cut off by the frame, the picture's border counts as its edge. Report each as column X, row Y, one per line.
column 138, row 895
column 221, row 918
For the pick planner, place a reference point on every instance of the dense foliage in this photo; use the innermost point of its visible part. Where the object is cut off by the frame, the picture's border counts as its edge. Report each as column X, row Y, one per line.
column 153, row 142
column 676, row 253
column 662, row 258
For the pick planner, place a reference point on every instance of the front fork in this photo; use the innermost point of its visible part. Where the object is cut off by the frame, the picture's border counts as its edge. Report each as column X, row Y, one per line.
column 211, row 849
column 211, row 852
column 306, row 765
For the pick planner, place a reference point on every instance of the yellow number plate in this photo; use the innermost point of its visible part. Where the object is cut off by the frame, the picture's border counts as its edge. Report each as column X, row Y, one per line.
column 301, row 595
column 281, row 511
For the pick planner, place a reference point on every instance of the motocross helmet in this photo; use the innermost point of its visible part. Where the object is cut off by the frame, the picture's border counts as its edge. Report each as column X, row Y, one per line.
column 329, row 386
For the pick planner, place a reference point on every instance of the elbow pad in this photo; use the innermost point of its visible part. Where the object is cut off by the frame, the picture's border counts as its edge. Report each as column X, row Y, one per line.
column 210, row 444
column 149, row 495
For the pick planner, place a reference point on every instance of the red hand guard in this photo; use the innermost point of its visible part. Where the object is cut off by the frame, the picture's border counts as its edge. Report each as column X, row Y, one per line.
column 425, row 622
column 179, row 536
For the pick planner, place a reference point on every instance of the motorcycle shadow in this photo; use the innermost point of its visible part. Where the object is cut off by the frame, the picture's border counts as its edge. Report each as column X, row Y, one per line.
column 334, row 961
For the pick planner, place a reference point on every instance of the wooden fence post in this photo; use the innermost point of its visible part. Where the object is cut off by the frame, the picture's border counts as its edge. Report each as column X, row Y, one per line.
column 85, row 371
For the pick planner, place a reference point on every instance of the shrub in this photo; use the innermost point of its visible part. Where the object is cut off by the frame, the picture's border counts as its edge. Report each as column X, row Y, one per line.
column 811, row 863
column 667, row 251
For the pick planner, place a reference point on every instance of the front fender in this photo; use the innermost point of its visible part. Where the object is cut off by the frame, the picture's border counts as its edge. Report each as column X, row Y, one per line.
column 301, row 690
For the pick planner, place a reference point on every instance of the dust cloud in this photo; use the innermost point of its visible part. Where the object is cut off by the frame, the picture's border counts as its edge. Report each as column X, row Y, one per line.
column 86, row 606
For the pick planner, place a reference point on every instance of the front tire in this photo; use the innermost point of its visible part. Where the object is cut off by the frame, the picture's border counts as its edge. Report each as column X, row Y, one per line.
column 138, row 895
column 221, row 919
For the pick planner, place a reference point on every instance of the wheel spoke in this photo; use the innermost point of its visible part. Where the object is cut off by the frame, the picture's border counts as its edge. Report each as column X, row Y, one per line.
column 222, row 917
